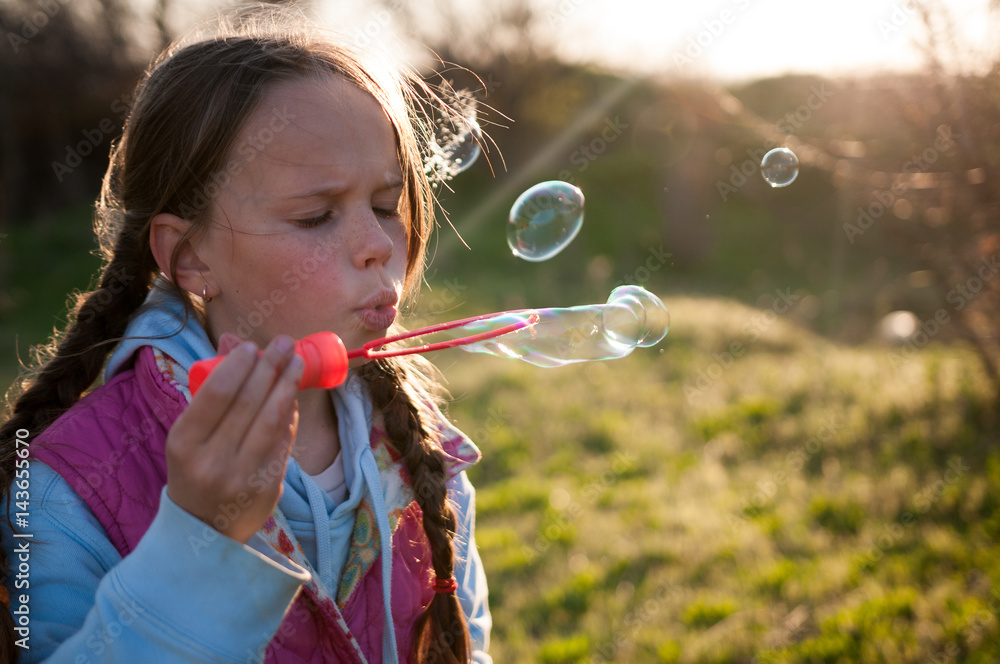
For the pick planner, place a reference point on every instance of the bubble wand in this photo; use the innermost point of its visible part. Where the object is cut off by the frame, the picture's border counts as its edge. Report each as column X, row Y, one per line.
column 631, row 317
column 326, row 358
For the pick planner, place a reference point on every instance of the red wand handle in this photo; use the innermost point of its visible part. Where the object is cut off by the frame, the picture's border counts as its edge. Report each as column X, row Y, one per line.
column 324, row 355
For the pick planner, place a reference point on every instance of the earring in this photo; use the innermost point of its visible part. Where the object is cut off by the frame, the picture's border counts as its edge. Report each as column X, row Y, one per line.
column 204, row 294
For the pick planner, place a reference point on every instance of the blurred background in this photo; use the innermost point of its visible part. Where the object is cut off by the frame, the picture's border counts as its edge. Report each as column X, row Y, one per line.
column 806, row 468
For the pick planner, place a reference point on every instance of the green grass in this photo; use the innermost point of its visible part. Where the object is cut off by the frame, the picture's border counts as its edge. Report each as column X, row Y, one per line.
column 812, row 504
column 46, row 261
column 806, row 501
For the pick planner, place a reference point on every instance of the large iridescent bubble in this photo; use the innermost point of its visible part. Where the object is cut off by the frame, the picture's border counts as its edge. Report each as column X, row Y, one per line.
column 632, row 317
column 544, row 220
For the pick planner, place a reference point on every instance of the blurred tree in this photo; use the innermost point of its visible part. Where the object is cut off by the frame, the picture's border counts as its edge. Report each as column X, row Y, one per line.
column 945, row 204
column 916, row 162
column 64, row 65
column 66, row 72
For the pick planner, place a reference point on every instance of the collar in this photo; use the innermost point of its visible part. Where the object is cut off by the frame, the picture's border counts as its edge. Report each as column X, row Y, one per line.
column 164, row 323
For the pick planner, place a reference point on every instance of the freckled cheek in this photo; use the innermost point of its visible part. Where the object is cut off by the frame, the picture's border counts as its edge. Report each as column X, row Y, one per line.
column 320, row 266
column 400, row 244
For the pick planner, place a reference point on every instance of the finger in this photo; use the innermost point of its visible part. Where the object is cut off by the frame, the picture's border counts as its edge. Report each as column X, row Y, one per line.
column 282, row 449
column 291, row 428
column 237, row 421
column 208, row 407
column 287, row 442
column 286, row 431
column 274, row 426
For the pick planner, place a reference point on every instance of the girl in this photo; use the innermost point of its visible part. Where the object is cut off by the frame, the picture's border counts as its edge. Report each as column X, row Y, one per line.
column 269, row 184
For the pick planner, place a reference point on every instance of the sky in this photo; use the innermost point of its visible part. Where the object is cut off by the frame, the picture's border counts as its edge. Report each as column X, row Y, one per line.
column 729, row 40
column 744, row 39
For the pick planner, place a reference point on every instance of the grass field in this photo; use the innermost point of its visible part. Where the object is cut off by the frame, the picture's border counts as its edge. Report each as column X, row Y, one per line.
column 746, row 491
column 807, row 502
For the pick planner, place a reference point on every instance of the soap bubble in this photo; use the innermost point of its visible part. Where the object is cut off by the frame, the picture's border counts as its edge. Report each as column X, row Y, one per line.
column 779, row 167
column 458, row 148
column 544, row 220
column 648, row 323
column 632, row 317
column 457, row 138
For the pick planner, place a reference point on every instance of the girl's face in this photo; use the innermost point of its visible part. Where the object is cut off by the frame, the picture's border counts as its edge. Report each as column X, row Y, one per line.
column 307, row 235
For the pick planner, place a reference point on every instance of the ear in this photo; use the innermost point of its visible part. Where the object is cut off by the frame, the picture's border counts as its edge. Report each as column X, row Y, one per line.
column 166, row 234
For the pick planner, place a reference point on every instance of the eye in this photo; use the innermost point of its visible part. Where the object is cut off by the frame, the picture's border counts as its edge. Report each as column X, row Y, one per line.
column 387, row 213
column 314, row 221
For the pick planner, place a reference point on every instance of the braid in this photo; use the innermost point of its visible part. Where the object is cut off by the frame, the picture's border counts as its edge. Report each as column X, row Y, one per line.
column 66, row 367
column 174, row 155
column 441, row 631
column 72, row 362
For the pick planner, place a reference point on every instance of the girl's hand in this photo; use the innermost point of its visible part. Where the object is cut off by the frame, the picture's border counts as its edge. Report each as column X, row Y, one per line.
column 227, row 452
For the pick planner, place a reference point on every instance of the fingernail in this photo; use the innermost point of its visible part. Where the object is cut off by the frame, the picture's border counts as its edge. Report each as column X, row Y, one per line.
column 247, row 348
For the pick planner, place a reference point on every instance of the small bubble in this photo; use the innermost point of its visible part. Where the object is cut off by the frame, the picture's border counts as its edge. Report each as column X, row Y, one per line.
column 779, row 167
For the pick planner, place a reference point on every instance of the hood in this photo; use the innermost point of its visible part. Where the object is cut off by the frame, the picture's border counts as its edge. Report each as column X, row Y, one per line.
column 322, row 528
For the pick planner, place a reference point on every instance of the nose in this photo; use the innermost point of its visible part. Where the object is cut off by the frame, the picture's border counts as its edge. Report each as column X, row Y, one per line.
column 373, row 246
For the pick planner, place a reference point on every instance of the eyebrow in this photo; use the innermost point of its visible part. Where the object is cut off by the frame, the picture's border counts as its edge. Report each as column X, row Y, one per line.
column 336, row 188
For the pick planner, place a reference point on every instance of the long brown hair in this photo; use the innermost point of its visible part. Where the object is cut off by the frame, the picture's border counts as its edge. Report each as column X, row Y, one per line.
column 187, row 112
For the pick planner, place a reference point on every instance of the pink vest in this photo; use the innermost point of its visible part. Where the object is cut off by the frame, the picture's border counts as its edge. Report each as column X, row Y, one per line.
column 110, row 449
